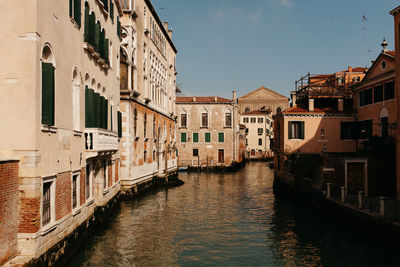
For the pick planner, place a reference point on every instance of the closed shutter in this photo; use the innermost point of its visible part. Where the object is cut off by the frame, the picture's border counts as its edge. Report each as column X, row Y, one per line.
column 91, row 115
column 290, row 130
column 119, row 124
column 97, row 37
column 101, row 113
column 183, row 137
column 106, row 52
column 207, row 137
column 87, row 111
column 92, row 30
column 86, row 26
column 71, row 7
column 221, row 137
column 102, row 44
column 47, row 94
column 111, row 118
column 118, row 28
column 77, row 12
column 302, row 130
column 96, row 110
column 112, row 11
column 195, row 137
column 106, row 114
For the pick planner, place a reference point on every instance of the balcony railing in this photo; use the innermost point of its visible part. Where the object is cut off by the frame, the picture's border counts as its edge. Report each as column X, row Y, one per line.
column 99, row 140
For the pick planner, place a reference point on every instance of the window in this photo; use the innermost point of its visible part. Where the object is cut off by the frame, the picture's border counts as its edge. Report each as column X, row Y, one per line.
column 76, row 101
column 253, row 120
column 296, row 129
column 389, row 90
column 221, row 137
column 112, row 11
column 183, row 120
column 183, row 137
column 259, row 141
column 135, row 122
column 384, row 127
column 378, row 94
column 365, row 129
column 195, row 152
column 322, row 133
column 48, row 90
column 47, row 199
column 154, row 127
column 119, row 114
column 145, row 125
column 105, row 173
column 204, row 120
column 348, row 130
column 75, row 184
column 144, row 157
column 278, row 110
column 87, row 182
column 246, row 110
column 383, row 65
column 245, row 120
column 260, row 131
column 365, row 97
column 228, row 119
column 207, row 137
column 195, row 137
column 247, row 142
column 123, row 70
column 75, row 11
column 260, row 120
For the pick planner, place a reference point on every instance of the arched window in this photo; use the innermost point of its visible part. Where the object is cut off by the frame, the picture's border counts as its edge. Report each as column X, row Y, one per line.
column 278, row 110
column 76, row 105
column 123, row 71
column 247, row 109
column 48, row 86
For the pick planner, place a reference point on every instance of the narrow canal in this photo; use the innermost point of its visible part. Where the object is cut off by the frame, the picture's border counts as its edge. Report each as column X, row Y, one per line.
column 226, row 219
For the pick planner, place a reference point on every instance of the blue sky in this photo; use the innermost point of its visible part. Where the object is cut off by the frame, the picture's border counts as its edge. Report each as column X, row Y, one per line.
column 227, row 45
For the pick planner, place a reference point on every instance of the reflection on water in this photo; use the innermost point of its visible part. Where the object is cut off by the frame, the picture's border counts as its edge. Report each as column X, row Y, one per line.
column 226, row 219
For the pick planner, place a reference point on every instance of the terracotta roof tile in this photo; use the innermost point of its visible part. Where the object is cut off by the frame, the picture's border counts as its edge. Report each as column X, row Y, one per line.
column 297, row 109
column 202, row 99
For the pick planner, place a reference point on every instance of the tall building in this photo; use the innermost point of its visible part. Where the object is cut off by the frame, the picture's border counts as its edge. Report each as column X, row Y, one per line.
column 148, row 84
column 60, row 106
column 208, row 132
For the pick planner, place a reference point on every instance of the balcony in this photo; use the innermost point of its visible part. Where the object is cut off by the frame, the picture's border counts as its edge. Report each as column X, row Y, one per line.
column 100, row 141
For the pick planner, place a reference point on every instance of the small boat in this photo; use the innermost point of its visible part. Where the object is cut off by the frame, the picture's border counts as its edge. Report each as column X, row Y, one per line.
column 182, row 169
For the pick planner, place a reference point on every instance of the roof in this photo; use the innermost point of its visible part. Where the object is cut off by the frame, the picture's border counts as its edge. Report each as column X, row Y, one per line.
column 258, row 112
column 394, row 11
column 202, row 99
column 266, row 89
column 298, row 109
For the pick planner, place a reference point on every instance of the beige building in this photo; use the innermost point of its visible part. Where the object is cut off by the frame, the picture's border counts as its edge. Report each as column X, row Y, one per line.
column 208, row 132
column 263, row 98
column 259, row 130
column 148, row 82
column 60, row 103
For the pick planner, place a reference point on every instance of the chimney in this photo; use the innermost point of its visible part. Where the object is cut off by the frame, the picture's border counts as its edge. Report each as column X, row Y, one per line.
column 170, row 33
column 215, row 99
column 194, row 99
column 234, row 97
column 293, row 97
column 166, row 25
column 340, row 105
column 350, row 69
column 310, row 104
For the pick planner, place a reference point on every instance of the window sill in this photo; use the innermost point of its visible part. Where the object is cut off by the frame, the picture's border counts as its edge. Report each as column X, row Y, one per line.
column 49, row 129
column 76, row 211
column 146, row 139
column 204, row 127
column 183, row 127
column 78, row 133
column 90, row 202
column 136, row 138
column 48, row 228
column 295, row 139
column 228, row 127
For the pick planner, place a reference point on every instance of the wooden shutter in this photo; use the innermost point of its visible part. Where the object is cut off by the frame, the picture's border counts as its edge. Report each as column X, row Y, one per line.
column 47, row 94
column 207, row 137
column 302, row 130
column 112, row 11
column 221, row 137
column 106, row 52
column 71, row 7
column 106, row 114
column 97, row 30
column 77, row 12
column 183, row 137
column 102, row 44
column 87, row 111
column 119, row 124
column 101, row 113
column 290, row 130
column 118, row 28
column 111, row 118
column 92, row 30
column 86, row 26
column 96, row 110
column 195, row 137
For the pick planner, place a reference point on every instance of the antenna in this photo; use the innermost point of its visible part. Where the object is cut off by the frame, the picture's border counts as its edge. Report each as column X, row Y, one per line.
column 364, row 20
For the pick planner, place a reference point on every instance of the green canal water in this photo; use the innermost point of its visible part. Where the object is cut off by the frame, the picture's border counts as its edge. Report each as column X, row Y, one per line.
column 227, row 220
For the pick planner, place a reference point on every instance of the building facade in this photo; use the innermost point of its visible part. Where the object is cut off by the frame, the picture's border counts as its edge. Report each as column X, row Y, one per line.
column 208, row 132
column 148, row 84
column 263, row 98
column 60, row 108
column 259, row 130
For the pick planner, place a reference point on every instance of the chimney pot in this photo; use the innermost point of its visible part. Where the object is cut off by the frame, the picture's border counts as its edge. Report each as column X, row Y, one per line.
column 194, row 99
column 215, row 99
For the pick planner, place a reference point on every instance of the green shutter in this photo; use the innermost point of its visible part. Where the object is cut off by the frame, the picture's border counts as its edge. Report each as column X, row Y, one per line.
column 47, row 94
column 290, row 130
column 118, row 28
column 183, row 137
column 86, row 26
column 195, row 137
column 106, row 52
column 77, row 12
column 111, row 118
column 119, row 124
column 302, row 130
column 207, row 137
column 87, row 111
column 97, row 30
column 91, row 115
column 96, row 110
column 70, row 7
column 112, row 11
column 102, row 44
column 92, row 28
column 101, row 113
column 221, row 137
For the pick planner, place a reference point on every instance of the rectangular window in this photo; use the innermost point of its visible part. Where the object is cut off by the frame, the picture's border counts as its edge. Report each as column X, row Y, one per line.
column 221, row 137
column 183, row 137
column 195, row 137
column 119, row 124
column 195, row 152
column 260, row 120
column 296, row 129
column 253, row 120
column 245, row 120
column 389, row 90
column 348, row 130
column 365, row 97
column 204, row 120
column 183, row 120
column 259, row 141
column 378, row 94
column 74, row 191
column 87, row 182
column 105, row 173
column 207, row 137
column 384, row 127
column 46, row 206
column 260, row 131
column 112, row 11
column 75, row 11
column 228, row 119
column 365, row 129
column 47, row 94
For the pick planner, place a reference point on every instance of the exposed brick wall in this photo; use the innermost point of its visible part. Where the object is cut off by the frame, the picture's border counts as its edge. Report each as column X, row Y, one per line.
column 82, row 185
column 110, row 177
column 29, row 213
column 8, row 209
column 116, row 170
column 63, row 195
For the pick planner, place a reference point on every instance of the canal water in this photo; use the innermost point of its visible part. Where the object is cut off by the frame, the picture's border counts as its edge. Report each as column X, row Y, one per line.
column 227, row 220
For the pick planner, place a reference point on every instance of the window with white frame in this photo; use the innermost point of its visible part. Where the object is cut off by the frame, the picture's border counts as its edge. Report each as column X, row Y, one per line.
column 48, row 201
column 204, row 119
column 76, row 100
column 228, row 119
column 105, row 173
column 75, row 190
column 183, row 120
column 88, row 182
